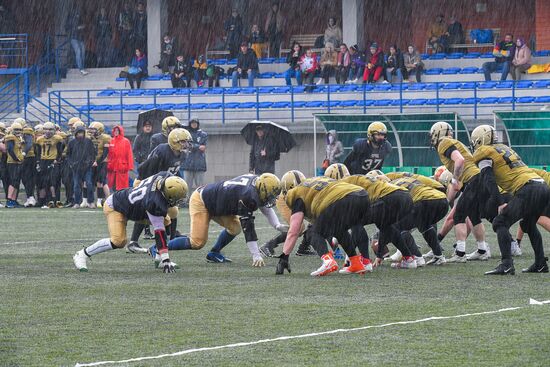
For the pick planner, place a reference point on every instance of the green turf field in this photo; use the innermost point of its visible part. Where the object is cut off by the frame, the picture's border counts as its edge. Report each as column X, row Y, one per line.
column 52, row 315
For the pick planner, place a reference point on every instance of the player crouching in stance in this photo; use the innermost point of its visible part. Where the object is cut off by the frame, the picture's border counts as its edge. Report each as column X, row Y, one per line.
column 501, row 166
column 334, row 208
column 231, row 204
column 149, row 201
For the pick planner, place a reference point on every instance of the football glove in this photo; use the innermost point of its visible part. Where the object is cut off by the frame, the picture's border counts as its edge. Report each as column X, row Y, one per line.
column 168, row 266
column 282, row 265
column 258, row 261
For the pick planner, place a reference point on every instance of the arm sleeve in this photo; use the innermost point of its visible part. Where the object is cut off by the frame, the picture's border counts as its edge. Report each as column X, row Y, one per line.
column 28, row 143
column 449, row 151
column 269, row 213
column 10, row 148
column 156, row 221
column 298, row 206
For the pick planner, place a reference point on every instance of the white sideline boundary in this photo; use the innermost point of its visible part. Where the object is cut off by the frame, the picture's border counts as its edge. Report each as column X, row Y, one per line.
column 303, row 336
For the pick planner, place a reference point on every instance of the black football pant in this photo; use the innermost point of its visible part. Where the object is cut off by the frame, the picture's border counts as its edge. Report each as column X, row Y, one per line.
column 28, row 175
column 528, row 204
column 468, row 203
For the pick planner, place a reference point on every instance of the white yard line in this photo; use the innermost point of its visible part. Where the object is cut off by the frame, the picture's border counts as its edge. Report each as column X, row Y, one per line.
column 303, row 336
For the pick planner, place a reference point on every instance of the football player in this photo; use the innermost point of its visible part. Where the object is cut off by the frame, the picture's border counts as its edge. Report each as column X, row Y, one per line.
column 149, row 201
column 96, row 132
column 457, row 159
column 231, row 204
column 500, row 165
column 49, row 151
column 3, row 157
column 168, row 124
column 333, row 207
column 369, row 154
column 15, row 156
column 28, row 168
column 165, row 157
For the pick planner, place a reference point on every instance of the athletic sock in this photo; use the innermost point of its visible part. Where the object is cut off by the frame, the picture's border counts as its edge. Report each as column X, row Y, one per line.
column 99, row 247
column 223, row 240
column 179, row 243
column 481, row 247
column 460, row 248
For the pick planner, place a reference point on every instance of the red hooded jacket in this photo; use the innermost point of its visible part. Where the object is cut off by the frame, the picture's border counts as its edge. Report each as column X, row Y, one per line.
column 121, row 158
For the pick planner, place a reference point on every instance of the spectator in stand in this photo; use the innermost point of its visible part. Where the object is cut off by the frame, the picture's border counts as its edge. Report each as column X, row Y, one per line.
column 456, row 34
column 181, row 76
column 125, row 25
column 292, row 60
column 263, row 153
column 140, row 27
column 194, row 165
column 274, row 25
column 394, row 65
column 120, row 160
column 308, row 67
column 522, row 59
column 343, row 64
column 375, row 64
column 333, row 33
column 137, row 69
column 257, row 39
column 142, row 143
column 76, row 31
column 214, row 73
column 438, row 37
column 357, row 66
column 234, row 28
column 199, row 70
column 247, row 66
column 81, row 155
column 328, row 63
column 167, row 54
column 413, row 64
column 504, row 53
column 104, row 34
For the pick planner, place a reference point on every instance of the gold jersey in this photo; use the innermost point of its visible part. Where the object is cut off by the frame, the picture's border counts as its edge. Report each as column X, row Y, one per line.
column 48, row 146
column 17, row 149
column 318, row 194
column 375, row 188
column 423, row 179
column 543, row 174
column 282, row 208
column 418, row 190
column 100, row 143
column 470, row 168
column 510, row 171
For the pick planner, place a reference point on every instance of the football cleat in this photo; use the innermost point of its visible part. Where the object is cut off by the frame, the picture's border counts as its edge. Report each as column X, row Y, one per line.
column 217, row 257
column 266, row 251
column 99, row 203
column 457, row 259
column 477, row 256
column 502, row 269
column 396, row 257
column 91, row 206
column 76, row 206
column 408, row 262
column 516, row 249
column 79, row 260
column 367, row 263
column 355, row 266
column 537, row 268
column 27, row 203
column 147, row 233
column 437, row 260
column 135, row 248
column 420, row 262
column 59, row 204
column 428, row 255
column 328, row 266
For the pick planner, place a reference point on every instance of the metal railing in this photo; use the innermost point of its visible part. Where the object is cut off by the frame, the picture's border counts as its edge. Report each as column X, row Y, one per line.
column 14, row 51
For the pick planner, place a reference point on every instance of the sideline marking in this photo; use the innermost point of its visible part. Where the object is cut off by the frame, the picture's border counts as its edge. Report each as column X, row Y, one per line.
column 290, row 337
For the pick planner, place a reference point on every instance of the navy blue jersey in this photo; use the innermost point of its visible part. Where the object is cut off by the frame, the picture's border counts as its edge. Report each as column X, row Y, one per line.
column 145, row 198
column 237, row 196
column 162, row 158
column 157, row 139
column 365, row 157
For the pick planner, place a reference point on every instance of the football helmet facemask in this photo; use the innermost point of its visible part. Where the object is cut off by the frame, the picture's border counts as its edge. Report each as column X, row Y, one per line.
column 174, row 189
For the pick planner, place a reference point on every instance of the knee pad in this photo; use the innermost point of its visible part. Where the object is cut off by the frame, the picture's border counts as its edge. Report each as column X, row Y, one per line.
column 247, row 224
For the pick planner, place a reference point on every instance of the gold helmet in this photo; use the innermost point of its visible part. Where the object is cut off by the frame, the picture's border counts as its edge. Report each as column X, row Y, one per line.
column 483, row 135
column 71, row 123
column 174, row 189
column 2, row 128
column 169, row 123
column 438, row 131
column 445, row 177
column 179, row 140
column 269, row 187
column 39, row 129
column 79, row 124
column 337, row 171
column 377, row 128
column 21, row 121
column 49, row 129
column 96, row 128
column 16, row 128
column 290, row 180
column 377, row 175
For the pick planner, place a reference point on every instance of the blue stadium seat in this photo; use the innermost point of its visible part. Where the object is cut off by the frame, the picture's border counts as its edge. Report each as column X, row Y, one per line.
column 181, row 106
column 279, row 75
column 102, row 107
column 488, row 100
column 281, row 60
column 450, row 71
column 132, row 107
column 232, row 62
column 366, row 103
column 116, row 107
column 438, row 56
column 470, row 100
column 505, row 100
column 156, row 77
column 469, row 70
column 167, row 92
column 468, row 85
column 135, row 92
column 199, row 91
column 230, row 105
column 248, row 90
column 149, row 106
column 541, row 84
column 298, row 104
column 527, row 99
column 182, row 91
column 265, row 104
column 399, row 86
column 199, row 106
column 106, row 93
column 320, row 89
column 452, row 85
column 219, row 61
column 472, row 55
column 348, row 103
column 504, row 84
column 542, row 53
column 418, row 102
column 522, row 84
column 120, row 79
column 247, row 105
column 487, row 55
column 215, row 90
column 452, row 101
column 455, row 55
column 349, row 88
column 424, row 56
column 382, row 102
column 265, row 90
column 335, row 88
column 431, row 86
column 487, row 85
column 166, row 77
column 280, row 105
column 284, row 89
column 266, row 60
column 433, row 101
column 398, row 102
column 267, row 75
column 331, row 103
column 314, row 104
column 542, row 99
column 434, row 71
column 417, row 86
column 232, row 90
column 299, row 89
column 149, row 92
column 166, row 106
column 382, row 87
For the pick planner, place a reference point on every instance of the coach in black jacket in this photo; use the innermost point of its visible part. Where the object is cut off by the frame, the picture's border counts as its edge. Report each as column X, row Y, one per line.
column 142, row 143
column 81, row 155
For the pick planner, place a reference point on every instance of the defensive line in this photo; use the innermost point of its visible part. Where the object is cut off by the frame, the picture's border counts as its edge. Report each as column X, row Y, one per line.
column 309, row 335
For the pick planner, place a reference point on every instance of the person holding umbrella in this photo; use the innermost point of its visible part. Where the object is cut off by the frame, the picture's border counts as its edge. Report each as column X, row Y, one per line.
column 264, row 153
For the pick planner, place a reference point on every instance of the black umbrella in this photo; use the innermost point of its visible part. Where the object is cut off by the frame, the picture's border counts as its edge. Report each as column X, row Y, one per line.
column 155, row 117
column 284, row 139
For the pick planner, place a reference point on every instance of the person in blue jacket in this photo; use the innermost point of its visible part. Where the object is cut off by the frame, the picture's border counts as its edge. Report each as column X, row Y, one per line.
column 137, row 69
